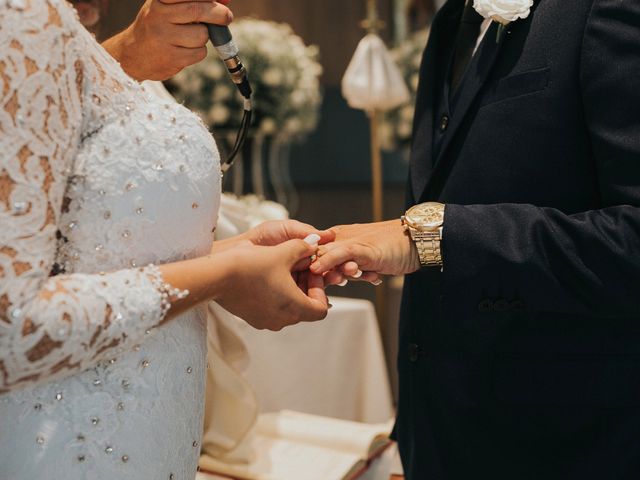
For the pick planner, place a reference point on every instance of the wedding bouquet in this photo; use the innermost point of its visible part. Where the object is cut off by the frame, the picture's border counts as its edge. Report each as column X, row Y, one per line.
column 396, row 125
column 284, row 74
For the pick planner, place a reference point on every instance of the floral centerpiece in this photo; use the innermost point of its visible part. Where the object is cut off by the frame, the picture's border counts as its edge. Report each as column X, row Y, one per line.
column 396, row 125
column 284, row 74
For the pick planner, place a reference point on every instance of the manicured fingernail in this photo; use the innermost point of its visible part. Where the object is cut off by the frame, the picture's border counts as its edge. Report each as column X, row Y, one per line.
column 377, row 283
column 312, row 239
column 358, row 274
column 330, row 306
column 343, row 283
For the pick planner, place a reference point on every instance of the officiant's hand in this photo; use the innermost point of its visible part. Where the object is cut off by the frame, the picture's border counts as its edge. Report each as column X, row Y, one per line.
column 167, row 36
column 258, row 285
column 383, row 248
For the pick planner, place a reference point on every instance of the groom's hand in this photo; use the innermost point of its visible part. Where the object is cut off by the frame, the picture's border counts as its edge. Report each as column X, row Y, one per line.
column 167, row 36
column 383, row 248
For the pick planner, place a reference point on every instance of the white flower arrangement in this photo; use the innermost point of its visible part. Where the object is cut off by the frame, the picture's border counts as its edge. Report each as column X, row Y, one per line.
column 397, row 124
column 284, row 74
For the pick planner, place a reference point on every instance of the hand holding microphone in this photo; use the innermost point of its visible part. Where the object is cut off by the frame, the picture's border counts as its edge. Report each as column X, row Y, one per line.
column 167, row 36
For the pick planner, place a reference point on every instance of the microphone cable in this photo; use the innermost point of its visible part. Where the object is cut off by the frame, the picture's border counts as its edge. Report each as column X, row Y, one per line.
column 222, row 40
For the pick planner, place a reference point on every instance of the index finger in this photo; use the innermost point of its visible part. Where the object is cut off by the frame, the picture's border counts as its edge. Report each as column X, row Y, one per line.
column 315, row 289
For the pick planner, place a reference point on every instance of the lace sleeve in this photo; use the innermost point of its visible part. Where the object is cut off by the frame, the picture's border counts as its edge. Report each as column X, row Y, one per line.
column 51, row 327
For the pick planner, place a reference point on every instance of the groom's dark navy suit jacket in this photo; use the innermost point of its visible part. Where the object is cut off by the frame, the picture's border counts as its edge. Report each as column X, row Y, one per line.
column 521, row 360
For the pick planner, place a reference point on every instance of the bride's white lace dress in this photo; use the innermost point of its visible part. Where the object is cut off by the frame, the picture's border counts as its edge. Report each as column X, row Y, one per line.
column 98, row 179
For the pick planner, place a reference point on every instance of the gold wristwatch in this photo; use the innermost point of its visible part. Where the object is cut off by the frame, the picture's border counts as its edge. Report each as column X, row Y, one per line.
column 424, row 222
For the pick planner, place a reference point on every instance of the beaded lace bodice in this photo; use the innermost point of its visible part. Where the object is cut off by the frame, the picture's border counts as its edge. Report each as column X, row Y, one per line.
column 98, row 180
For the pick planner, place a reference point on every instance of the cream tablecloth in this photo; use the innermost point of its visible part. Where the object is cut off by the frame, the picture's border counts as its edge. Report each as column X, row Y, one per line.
column 334, row 368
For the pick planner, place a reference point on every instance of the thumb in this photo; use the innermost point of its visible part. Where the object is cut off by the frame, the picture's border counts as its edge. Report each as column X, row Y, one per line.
column 297, row 250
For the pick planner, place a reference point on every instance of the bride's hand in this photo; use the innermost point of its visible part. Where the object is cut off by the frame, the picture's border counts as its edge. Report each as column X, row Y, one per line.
column 269, row 234
column 275, row 232
column 259, row 285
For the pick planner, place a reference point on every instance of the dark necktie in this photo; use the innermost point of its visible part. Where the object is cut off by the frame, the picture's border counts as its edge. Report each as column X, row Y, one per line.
column 465, row 43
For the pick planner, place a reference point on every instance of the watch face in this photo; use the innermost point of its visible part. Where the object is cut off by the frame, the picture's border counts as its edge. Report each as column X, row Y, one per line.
column 426, row 216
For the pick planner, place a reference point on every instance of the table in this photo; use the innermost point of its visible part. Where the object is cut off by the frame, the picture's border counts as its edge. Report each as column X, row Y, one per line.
column 334, row 368
column 382, row 468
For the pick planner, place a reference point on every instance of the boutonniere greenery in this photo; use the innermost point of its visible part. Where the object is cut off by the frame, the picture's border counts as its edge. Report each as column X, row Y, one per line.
column 503, row 12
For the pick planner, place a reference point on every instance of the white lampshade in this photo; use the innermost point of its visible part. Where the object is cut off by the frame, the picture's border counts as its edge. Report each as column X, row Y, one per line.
column 372, row 80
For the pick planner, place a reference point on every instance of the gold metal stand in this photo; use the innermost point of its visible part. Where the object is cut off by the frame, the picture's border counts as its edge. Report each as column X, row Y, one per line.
column 373, row 24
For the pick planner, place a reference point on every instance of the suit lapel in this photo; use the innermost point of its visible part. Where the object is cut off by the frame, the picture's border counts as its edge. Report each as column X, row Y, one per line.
column 432, row 72
column 474, row 79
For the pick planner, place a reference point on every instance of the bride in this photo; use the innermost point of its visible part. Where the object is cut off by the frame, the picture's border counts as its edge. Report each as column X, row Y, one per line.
column 108, row 201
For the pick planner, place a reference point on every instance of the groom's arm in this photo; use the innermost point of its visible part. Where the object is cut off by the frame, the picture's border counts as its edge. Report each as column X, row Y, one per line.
column 589, row 263
column 584, row 264
column 166, row 36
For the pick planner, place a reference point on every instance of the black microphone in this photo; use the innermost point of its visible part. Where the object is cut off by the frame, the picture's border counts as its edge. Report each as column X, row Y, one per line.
column 222, row 40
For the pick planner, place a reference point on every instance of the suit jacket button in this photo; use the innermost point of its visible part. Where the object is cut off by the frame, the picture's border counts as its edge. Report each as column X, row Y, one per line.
column 485, row 306
column 414, row 352
column 444, row 123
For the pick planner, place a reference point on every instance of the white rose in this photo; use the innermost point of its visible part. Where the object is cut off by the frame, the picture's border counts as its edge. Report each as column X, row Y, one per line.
column 218, row 114
column 503, row 11
column 214, row 70
column 293, row 126
column 195, row 85
column 298, row 98
column 272, row 77
column 268, row 126
column 222, row 92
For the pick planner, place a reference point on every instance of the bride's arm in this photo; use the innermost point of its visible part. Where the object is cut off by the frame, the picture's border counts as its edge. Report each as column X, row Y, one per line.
column 54, row 326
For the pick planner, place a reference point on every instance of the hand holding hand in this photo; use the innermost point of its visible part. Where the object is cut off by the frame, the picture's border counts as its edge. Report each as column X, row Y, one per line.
column 167, row 36
column 275, row 232
column 276, row 298
column 272, row 233
column 278, row 231
column 383, row 248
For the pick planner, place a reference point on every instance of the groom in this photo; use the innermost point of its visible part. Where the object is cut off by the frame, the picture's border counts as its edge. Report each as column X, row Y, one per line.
column 520, row 326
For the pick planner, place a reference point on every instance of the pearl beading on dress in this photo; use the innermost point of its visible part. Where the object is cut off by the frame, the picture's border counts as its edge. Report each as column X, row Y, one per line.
column 134, row 183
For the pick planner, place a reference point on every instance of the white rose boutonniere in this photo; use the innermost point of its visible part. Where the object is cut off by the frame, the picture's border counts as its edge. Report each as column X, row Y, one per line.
column 503, row 12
